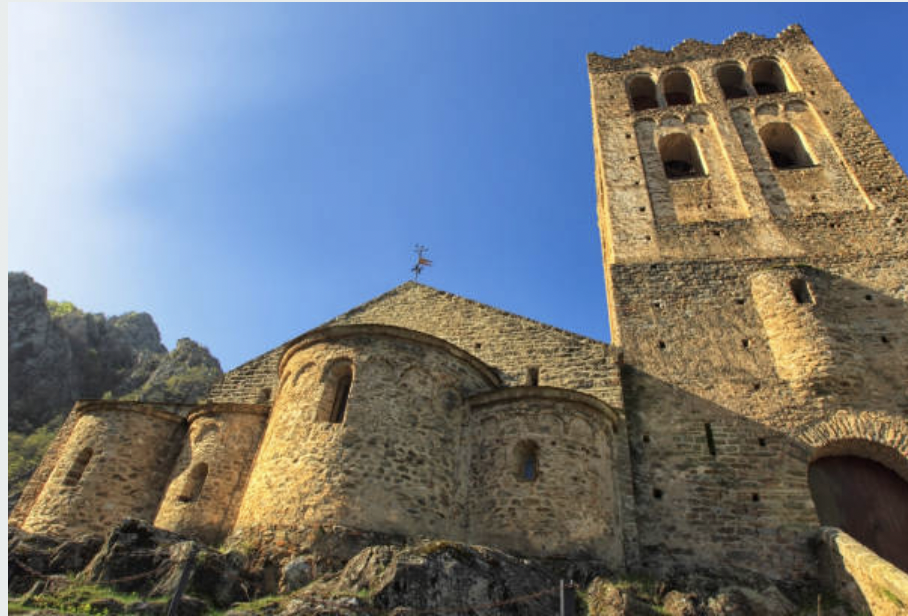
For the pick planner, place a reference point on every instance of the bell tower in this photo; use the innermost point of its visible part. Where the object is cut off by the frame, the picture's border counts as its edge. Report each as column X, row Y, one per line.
column 753, row 228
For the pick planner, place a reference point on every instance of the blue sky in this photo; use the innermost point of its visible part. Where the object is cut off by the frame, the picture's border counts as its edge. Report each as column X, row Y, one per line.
column 244, row 172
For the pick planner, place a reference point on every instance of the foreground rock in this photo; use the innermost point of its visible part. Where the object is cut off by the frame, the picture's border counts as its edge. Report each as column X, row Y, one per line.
column 429, row 577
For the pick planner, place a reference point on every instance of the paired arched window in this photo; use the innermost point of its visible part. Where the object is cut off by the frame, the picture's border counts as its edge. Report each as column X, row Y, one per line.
column 784, row 146
column 767, row 77
column 680, row 157
column 338, row 381
column 642, row 92
column 677, row 88
column 526, row 456
column 192, row 488
column 75, row 472
column 732, row 81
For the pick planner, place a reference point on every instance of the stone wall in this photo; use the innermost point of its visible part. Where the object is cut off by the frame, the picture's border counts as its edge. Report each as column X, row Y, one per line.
column 251, row 383
column 728, row 380
column 115, row 464
column 393, row 463
column 542, row 474
column 869, row 583
column 209, row 478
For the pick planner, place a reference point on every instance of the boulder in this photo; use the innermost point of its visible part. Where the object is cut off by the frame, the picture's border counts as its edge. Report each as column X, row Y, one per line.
column 444, row 575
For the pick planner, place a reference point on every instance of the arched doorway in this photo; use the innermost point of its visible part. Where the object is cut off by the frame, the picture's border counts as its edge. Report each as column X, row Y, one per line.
column 864, row 497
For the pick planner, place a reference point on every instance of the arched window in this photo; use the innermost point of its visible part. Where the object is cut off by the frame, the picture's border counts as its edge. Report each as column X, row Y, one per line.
column 192, row 488
column 338, row 379
column 767, row 77
column 78, row 467
column 680, row 157
column 340, row 397
column 784, row 146
column 642, row 92
column 526, row 456
column 731, row 80
column 678, row 89
column 800, row 291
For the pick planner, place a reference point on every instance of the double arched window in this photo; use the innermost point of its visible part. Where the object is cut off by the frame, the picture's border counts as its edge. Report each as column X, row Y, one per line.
column 766, row 77
column 676, row 89
column 680, row 157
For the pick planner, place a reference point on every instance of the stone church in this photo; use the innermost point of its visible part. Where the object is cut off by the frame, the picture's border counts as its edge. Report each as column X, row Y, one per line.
column 755, row 244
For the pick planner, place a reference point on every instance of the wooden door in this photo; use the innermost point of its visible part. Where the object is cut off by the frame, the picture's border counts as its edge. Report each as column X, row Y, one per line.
column 865, row 499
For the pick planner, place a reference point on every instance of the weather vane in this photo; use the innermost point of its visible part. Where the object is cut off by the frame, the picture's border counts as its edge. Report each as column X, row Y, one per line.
column 421, row 261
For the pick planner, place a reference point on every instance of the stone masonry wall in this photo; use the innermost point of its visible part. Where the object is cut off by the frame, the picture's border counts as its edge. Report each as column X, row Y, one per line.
column 209, row 478
column 132, row 449
column 511, row 344
column 730, row 386
column 869, row 583
column 254, row 382
column 570, row 505
column 392, row 465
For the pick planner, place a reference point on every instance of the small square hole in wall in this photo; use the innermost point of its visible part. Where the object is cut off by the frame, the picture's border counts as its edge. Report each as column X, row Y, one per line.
column 477, row 346
column 869, row 298
column 884, row 339
column 755, row 497
column 661, row 344
column 745, row 343
column 762, row 441
column 657, row 493
column 757, row 386
column 646, row 438
column 739, row 301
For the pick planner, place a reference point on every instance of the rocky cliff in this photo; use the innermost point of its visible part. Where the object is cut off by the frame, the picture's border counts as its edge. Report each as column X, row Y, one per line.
column 59, row 353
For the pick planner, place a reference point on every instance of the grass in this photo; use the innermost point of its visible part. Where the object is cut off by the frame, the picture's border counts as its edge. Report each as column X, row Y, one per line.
column 74, row 598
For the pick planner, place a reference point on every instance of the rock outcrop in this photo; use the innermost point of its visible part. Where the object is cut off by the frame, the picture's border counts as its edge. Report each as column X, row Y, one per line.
column 59, row 354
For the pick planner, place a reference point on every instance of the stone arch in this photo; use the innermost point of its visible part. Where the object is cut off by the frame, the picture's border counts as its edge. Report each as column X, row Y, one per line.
column 680, row 157
column 641, row 90
column 732, row 80
column 767, row 76
column 785, row 146
column 678, row 88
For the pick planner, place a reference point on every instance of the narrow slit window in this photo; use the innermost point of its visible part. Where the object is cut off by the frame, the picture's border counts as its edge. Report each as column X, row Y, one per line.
column 801, row 291
column 680, row 157
column 527, row 457
column 767, row 77
column 78, row 467
column 784, row 146
column 533, row 376
column 340, row 398
column 642, row 92
column 337, row 379
column 710, row 439
column 192, row 489
column 678, row 88
column 731, row 80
